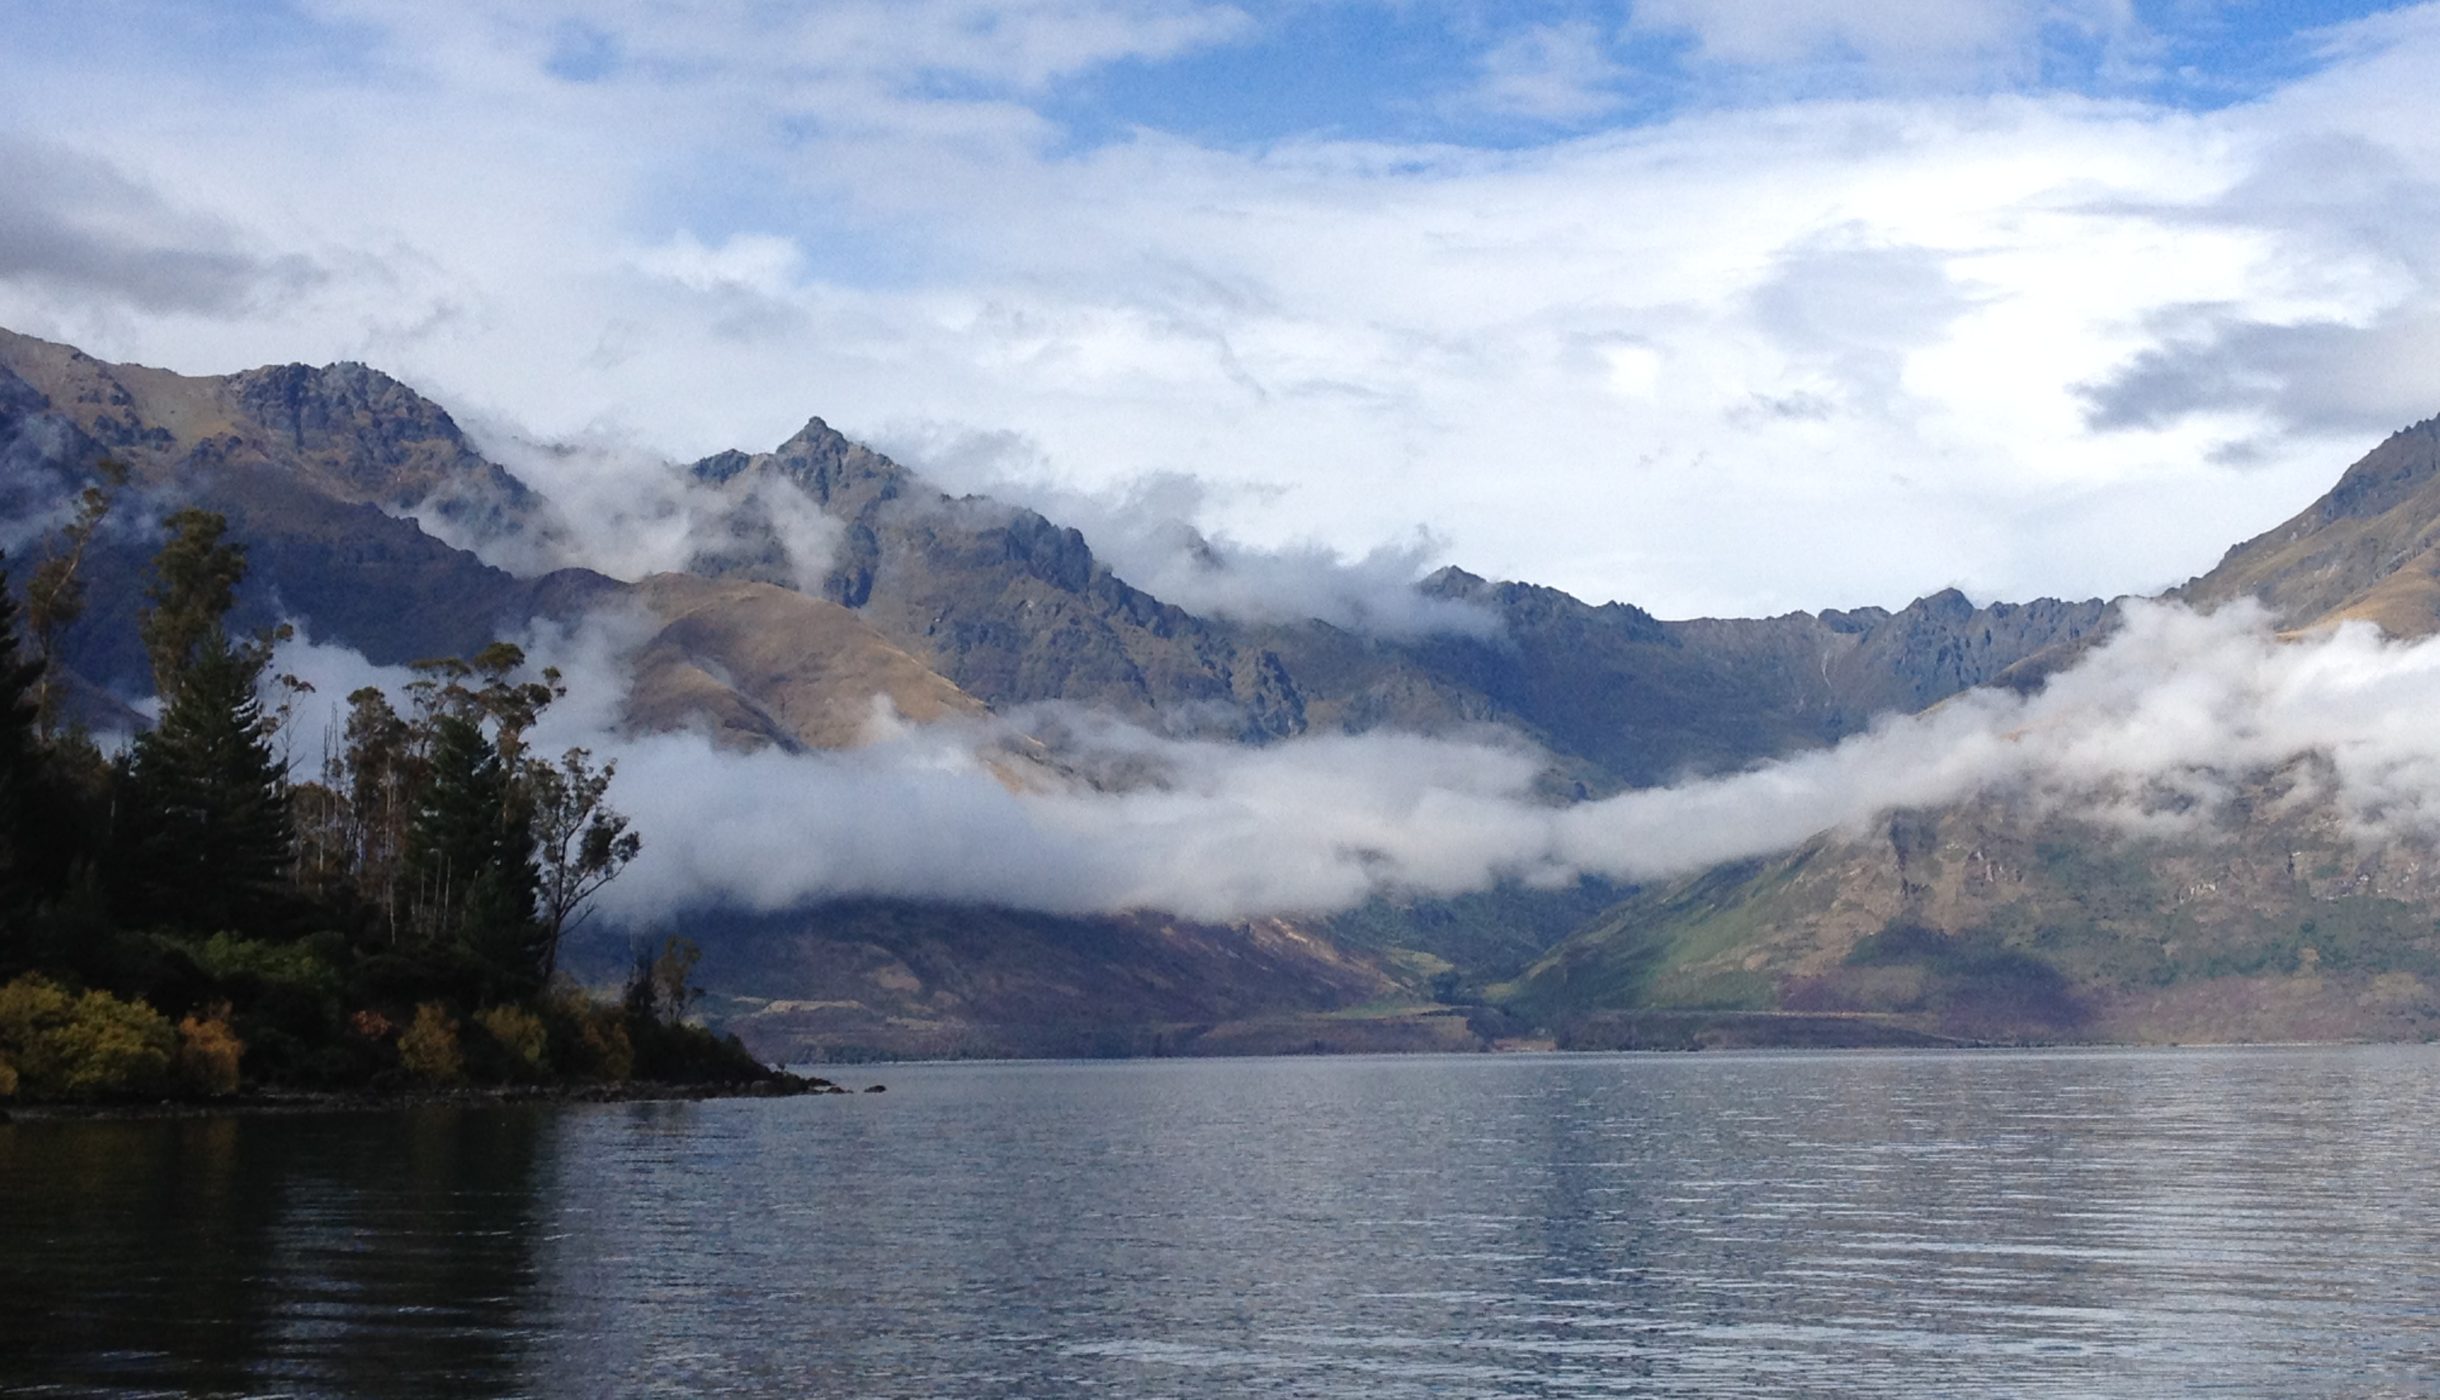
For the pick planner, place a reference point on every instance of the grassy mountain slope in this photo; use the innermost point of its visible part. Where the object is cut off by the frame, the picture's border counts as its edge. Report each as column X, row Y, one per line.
column 1992, row 920
column 1986, row 922
column 2364, row 550
column 761, row 665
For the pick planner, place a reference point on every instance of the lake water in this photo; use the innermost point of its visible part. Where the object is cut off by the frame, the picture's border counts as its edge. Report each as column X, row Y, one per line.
column 2261, row 1222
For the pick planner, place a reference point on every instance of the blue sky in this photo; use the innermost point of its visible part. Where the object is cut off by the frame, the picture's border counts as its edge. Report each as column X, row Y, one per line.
column 1711, row 305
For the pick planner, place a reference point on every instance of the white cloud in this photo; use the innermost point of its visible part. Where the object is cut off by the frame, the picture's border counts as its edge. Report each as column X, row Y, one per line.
column 1789, row 355
column 1551, row 72
column 1147, row 530
column 613, row 508
column 2152, row 732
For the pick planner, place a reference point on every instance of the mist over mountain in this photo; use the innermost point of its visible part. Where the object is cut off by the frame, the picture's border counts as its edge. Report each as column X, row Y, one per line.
column 932, row 772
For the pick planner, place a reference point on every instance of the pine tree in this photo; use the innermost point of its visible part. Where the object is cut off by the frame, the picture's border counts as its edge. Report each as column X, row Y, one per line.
column 22, row 779
column 209, row 842
column 470, row 859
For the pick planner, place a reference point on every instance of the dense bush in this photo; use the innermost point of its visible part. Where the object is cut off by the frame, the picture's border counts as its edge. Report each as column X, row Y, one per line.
column 60, row 1044
column 518, row 1035
column 209, row 1053
column 428, row 1048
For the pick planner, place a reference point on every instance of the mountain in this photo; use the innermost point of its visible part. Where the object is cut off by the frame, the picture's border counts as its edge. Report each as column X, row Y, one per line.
column 968, row 609
column 2002, row 919
column 2365, row 550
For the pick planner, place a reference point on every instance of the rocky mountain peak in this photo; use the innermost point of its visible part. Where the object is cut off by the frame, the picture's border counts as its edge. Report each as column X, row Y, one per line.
column 2387, row 476
column 2365, row 549
column 1947, row 605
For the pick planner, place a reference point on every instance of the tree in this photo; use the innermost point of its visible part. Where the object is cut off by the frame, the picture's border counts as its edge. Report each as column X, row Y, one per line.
column 55, row 596
column 660, row 987
column 583, row 842
column 484, row 688
column 22, row 778
column 209, row 843
column 195, row 578
column 379, row 778
column 470, row 858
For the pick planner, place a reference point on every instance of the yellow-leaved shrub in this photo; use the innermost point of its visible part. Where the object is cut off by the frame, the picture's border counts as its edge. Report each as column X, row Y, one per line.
column 428, row 1047
column 63, row 1044
column 209, row 1052
column 520, row 1033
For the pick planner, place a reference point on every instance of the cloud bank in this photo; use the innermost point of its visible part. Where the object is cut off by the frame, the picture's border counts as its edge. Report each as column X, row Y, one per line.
column 624, row 512
column 2151, row 734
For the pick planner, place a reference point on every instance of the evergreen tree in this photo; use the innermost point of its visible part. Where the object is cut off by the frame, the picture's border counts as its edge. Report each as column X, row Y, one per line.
column 195, row 579
column 22, row 779
column 470, row 859
column 208, row 841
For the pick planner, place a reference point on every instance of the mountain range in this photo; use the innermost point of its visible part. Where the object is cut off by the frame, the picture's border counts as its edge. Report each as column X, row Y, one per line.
column 813, row 580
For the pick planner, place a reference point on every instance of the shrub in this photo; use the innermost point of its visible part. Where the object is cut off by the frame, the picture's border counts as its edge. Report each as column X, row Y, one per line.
column 208, row 1053
column 609, row 1050
column 251, row 962
column 61, row 1044
column 588, row 1039
column 520, row 1033
column 428, row 1048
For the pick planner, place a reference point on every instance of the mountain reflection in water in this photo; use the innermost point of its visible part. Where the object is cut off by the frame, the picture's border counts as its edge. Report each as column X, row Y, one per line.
column 2058, row 1223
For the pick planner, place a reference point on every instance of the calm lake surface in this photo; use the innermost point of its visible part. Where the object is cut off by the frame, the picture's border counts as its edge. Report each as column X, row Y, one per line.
column 2261, row 1222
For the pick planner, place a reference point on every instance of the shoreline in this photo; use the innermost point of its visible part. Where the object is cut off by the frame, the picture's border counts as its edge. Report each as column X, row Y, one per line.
column 278, row 1102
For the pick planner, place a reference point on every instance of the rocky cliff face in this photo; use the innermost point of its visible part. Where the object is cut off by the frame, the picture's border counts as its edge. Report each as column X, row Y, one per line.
column 1008, row 605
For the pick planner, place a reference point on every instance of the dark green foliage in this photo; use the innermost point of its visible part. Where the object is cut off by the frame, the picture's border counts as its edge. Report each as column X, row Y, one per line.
column 470, row 860
column 660, row 985
column 207, row 843
column 52, row 795
column 22, row 775
column 302, row 929
column 195, row 579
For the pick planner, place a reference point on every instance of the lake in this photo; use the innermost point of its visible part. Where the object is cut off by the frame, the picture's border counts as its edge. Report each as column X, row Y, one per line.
column 2262, row 1222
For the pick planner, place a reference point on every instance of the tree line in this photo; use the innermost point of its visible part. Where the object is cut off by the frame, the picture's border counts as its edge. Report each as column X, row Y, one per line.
column 186, row 913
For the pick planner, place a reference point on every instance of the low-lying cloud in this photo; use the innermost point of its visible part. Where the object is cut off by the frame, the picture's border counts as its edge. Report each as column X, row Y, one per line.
column 1147, row 531
column 628, row 513
column 2152, row 733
